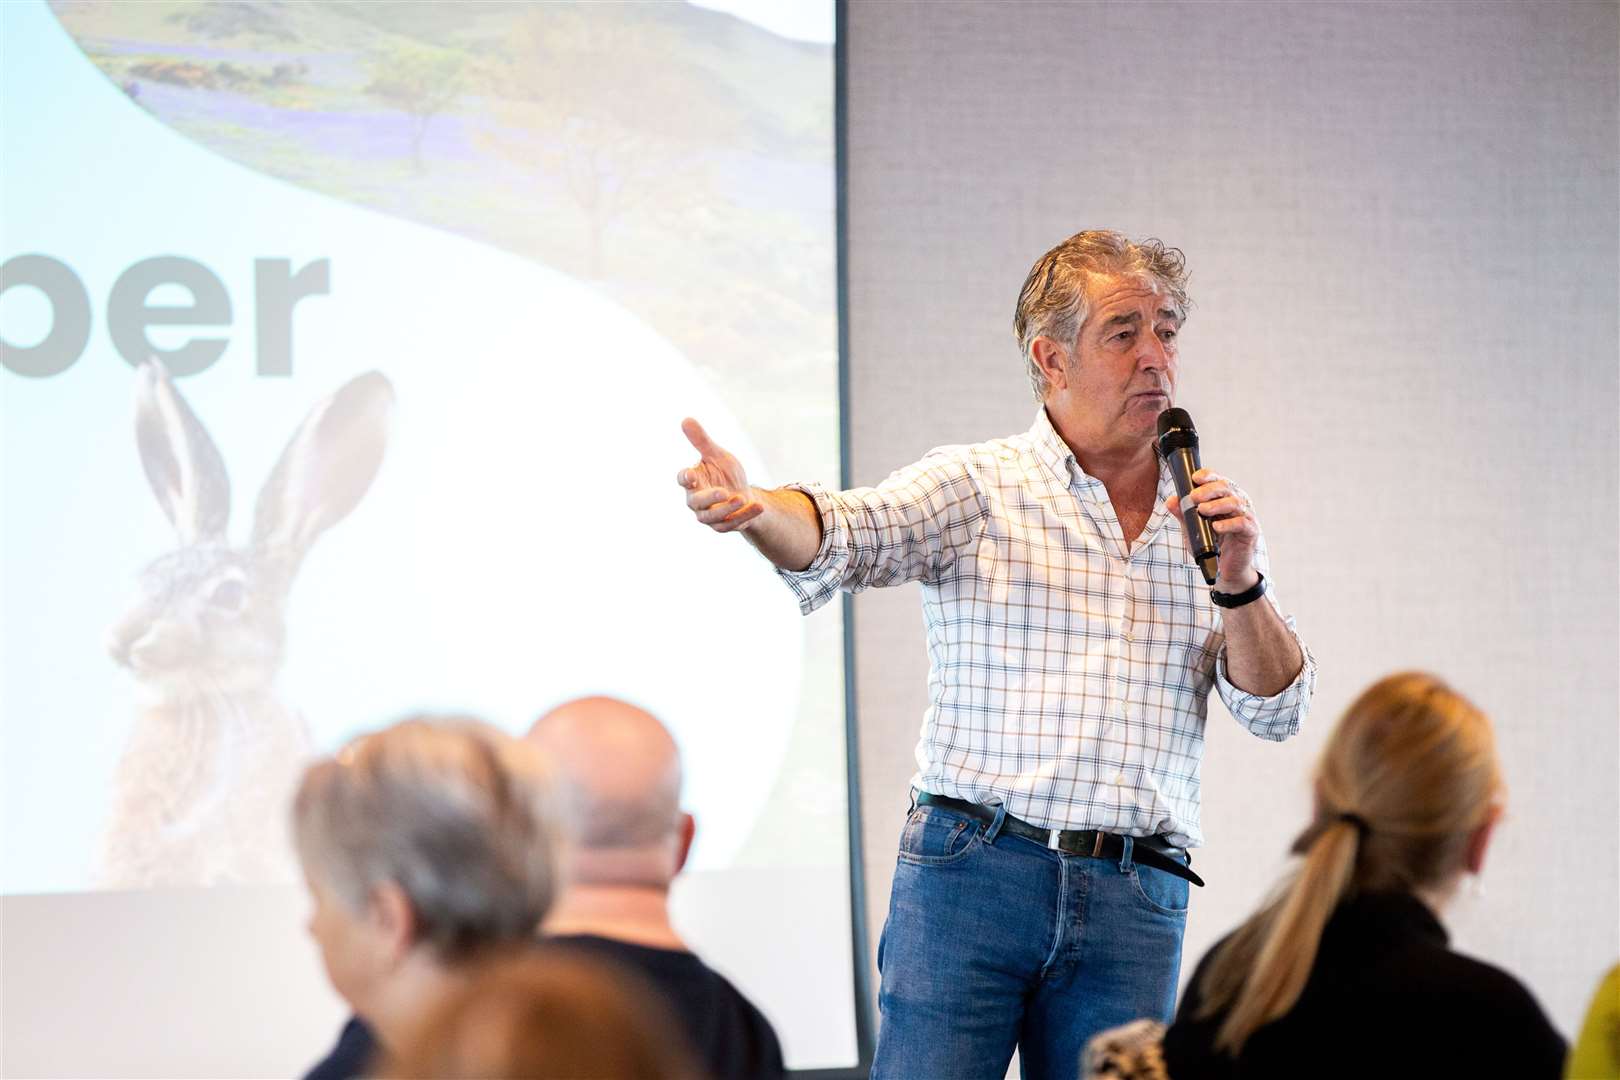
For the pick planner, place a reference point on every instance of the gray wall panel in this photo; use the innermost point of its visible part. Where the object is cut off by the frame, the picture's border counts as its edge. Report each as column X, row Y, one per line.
column 1401, row 221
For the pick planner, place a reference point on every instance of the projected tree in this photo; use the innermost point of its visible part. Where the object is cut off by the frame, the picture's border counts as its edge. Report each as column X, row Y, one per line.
column 420, row 82
column 573, row 112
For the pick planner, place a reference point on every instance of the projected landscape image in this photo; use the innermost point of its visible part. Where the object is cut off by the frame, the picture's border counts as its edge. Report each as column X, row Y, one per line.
column 677, row 158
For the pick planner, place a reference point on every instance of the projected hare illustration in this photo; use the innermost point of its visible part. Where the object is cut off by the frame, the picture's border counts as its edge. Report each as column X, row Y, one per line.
column 202, row 786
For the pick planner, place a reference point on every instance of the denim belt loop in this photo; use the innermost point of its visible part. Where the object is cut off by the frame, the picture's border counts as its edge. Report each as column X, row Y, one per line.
column 1125, row 854
column 994, row 828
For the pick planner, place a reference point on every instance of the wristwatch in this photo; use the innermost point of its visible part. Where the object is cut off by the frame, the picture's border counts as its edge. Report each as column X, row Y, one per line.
column 1247, row 596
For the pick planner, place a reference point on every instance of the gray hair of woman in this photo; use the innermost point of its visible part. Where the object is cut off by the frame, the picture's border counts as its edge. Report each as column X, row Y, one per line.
column 460, row 816
column 1054, row 301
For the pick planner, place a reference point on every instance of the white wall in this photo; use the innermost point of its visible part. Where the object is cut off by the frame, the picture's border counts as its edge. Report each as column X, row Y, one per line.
column 1401, row 222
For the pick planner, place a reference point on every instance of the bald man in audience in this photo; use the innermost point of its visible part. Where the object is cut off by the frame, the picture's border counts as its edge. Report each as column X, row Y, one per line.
column 619, row 773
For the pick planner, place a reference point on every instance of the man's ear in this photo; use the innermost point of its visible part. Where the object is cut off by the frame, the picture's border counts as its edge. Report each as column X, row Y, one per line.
column 1053, row 359
column 393, row 919
column 1480, row 839
column 686, row 832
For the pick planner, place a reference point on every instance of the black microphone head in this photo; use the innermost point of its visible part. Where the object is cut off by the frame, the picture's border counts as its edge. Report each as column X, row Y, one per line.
column 1172, row 419
column 1176, row 431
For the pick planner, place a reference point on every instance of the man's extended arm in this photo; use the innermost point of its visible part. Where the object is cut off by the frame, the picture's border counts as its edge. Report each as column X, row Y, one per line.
column 781, row 523
column 910, row 527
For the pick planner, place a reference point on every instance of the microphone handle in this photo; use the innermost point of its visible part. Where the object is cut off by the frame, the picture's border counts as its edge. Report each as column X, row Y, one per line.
column 1183, row 463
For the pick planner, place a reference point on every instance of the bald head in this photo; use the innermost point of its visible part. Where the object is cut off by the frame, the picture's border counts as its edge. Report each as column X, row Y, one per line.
column 620, row 773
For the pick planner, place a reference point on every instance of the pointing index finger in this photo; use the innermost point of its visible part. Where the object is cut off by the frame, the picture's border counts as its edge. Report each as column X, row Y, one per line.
column 699, row 438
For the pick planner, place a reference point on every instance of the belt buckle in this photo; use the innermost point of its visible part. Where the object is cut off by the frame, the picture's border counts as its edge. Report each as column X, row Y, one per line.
column 1054, row 839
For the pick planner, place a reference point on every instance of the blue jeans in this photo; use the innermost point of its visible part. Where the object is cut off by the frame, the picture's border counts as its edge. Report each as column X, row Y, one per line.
column 994, row 941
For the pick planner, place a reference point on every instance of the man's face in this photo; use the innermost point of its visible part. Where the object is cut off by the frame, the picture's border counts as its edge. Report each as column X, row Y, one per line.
column 348, row 944
column 1123, row 368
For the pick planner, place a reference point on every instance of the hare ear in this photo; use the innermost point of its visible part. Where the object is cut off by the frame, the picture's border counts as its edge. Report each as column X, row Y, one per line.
column 181, row 461
column 327, row 466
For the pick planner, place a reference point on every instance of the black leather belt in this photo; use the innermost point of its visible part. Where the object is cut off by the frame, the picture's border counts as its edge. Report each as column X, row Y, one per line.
column 1147, row 850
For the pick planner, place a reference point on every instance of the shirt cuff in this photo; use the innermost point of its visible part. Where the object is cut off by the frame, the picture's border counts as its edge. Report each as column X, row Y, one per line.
column 820, row 581
column 1278, row 716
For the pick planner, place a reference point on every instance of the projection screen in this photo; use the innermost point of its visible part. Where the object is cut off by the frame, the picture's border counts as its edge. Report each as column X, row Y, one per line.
column 415, row 294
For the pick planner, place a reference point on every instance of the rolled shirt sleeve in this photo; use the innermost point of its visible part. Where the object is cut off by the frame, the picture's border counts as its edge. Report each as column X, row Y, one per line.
column 1279, row 716
column 911, row 527
column 820, row 581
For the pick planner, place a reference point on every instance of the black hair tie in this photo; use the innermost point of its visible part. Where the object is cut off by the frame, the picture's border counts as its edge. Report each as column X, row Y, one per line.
column 1362, row 828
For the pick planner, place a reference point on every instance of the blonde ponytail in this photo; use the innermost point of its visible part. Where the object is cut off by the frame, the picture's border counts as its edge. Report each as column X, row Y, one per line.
column 1284, row 940
column 1407, row 775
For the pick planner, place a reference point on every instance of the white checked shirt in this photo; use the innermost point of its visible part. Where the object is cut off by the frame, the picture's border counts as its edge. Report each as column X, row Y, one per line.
column 1069, row 677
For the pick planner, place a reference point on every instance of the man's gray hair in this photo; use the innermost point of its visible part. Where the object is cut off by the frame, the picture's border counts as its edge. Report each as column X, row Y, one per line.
column 457, row 814
column 1054, row 304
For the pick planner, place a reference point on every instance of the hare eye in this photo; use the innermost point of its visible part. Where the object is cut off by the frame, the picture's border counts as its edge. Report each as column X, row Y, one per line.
column 228, row 594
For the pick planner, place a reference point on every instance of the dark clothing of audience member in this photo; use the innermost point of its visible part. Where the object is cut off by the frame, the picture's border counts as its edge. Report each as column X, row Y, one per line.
column 730, row 1035
column 1386, row 997
column 351, row 1058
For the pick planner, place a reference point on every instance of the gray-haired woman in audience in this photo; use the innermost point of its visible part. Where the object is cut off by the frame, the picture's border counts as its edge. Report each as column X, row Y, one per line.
column 425, row 845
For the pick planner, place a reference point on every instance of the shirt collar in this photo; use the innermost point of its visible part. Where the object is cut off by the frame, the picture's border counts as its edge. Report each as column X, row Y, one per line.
column 1052, row 450
column 1056, row 455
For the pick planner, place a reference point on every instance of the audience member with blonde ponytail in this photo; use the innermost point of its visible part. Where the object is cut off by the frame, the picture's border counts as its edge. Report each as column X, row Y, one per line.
column 1345, row 971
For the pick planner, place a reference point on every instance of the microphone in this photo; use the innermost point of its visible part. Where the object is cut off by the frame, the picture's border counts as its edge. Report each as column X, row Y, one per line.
column 1178, row 442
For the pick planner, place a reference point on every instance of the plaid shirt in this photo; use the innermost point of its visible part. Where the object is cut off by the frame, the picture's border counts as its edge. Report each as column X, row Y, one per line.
column 1069, row 678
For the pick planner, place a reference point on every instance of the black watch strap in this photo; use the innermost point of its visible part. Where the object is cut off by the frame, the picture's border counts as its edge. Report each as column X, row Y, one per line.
column 1247, row 596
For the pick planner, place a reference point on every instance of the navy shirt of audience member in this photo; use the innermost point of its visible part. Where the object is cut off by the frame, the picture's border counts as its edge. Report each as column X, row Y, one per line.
column 729, row 1034
column 351, row 1058
column 1386, row 997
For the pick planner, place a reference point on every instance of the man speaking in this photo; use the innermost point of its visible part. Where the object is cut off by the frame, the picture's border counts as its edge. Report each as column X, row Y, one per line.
column 1041, row 890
